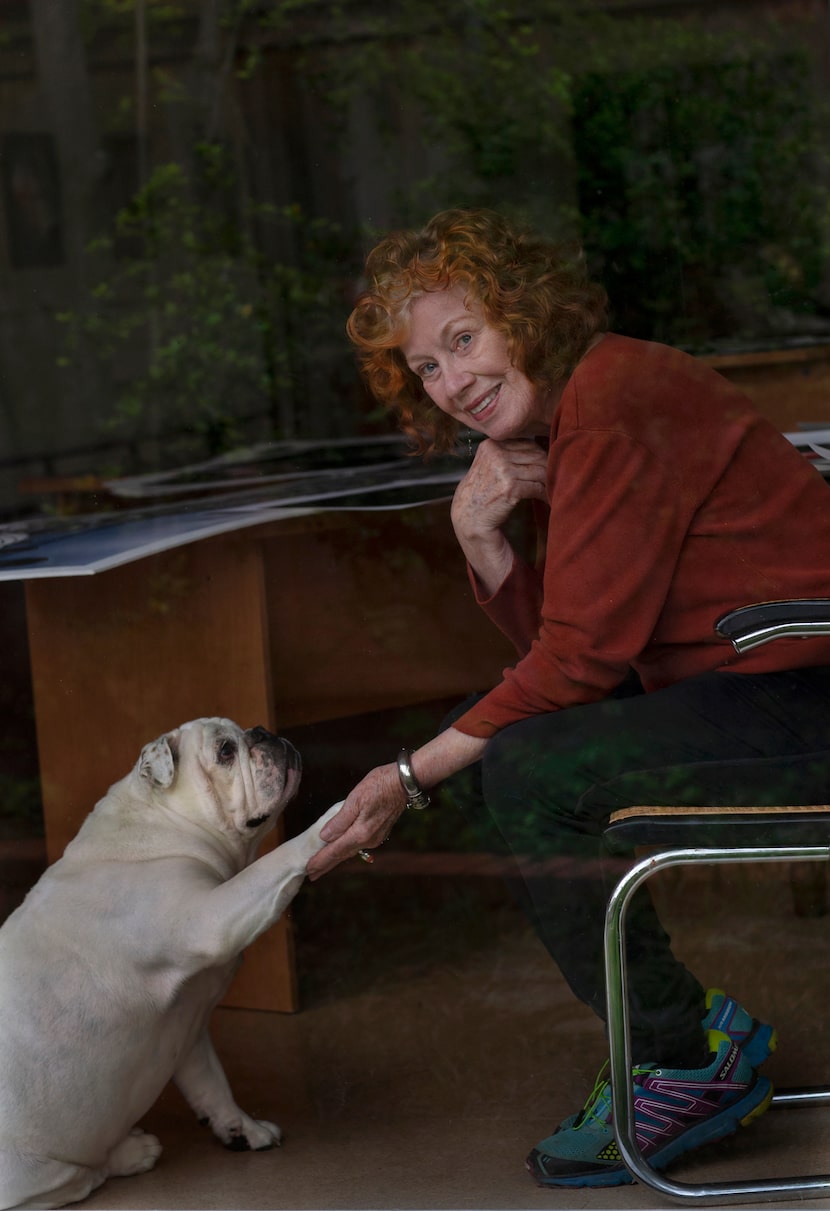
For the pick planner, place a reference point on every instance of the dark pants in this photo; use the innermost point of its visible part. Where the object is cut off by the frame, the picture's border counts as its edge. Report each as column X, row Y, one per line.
column 548, row 784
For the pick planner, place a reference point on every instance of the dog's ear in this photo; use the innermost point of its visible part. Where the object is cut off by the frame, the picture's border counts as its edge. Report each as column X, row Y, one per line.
column 157, row 762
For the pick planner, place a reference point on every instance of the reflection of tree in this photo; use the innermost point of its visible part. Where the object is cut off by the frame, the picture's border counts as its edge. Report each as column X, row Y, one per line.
column 700, row 184
column 202, row 289
column 64, row 83
column 688, row 158
column 230, row 104
column 207, row 310
column 65, row 88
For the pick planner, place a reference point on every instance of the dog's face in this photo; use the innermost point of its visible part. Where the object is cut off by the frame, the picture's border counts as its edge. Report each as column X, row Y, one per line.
column 213, row 772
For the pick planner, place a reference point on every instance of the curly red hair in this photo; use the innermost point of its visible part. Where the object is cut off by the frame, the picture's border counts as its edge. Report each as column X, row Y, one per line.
column 535, row 292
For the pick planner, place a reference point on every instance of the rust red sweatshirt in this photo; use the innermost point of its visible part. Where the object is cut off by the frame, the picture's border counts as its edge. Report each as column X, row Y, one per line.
column 671, row 502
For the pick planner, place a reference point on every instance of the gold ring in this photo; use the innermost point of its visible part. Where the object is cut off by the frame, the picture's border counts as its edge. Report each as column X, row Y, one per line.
column 365, row 856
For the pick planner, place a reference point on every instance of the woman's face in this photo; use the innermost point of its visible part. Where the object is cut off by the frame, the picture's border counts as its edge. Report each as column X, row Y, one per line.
column 466, row 371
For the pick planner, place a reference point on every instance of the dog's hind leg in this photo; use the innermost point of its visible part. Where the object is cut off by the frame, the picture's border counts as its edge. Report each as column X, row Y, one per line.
column 136, row 1153
column 38, row 1183
column 202, row 1081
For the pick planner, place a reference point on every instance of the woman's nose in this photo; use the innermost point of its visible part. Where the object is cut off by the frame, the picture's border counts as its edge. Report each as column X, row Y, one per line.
column 456, row 379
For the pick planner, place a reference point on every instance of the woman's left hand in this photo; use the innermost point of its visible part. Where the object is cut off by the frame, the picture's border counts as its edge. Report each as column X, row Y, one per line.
column 365, row 820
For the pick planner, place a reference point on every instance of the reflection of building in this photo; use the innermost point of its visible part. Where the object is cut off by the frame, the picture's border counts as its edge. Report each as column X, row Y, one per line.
column 32, row 199
column 75, row 136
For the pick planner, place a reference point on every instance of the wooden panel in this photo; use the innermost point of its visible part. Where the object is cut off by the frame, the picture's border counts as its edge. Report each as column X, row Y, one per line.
column 369, row 611
column 121, row 657
column 791, row 387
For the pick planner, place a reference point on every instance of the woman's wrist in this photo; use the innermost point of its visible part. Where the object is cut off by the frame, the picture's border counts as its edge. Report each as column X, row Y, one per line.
column 444, row 755
column 491, row 560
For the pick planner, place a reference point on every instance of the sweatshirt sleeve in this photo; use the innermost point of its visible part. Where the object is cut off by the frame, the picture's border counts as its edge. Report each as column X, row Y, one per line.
column 516, row 605
column 618, row 521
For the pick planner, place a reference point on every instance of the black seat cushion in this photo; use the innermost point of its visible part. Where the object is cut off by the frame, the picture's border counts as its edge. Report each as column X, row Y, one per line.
column 731, row 827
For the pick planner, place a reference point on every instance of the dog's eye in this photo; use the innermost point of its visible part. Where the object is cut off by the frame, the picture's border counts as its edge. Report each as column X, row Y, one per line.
column 227, row 752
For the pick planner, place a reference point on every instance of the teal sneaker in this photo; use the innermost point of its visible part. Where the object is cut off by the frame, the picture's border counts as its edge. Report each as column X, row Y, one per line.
column 675, row 1110
column 757, row 1040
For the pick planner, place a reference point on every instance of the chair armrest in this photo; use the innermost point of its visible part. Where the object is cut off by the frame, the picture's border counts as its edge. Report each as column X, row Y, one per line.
column 753, row 625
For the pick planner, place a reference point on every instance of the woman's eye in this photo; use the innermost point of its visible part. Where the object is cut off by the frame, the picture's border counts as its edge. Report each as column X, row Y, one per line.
column 427, row 369
column 464, row 340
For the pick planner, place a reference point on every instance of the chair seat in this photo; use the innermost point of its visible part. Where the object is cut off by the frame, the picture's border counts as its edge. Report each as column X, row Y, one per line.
column 709, row 827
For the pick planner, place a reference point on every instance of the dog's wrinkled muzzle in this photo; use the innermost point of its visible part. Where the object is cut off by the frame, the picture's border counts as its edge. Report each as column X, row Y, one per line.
column 260, row 737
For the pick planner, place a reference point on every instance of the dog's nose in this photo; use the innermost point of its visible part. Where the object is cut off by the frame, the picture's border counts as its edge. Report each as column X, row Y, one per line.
column 261, row 735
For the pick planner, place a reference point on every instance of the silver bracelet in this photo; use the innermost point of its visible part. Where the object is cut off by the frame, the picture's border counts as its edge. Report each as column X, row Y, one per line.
column 415, row 795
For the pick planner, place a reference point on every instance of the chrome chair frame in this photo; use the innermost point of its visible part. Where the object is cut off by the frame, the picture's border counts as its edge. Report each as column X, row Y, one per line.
column 757, row 835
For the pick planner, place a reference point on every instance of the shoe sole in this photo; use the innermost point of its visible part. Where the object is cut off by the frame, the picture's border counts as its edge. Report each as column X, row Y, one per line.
column 614, row 1177
column 740, row 1114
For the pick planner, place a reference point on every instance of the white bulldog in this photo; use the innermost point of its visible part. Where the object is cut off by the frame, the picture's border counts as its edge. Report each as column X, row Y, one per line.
column 110, row 968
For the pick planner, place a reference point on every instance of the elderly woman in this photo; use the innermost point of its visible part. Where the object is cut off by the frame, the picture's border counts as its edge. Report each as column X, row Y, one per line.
column 663, row 500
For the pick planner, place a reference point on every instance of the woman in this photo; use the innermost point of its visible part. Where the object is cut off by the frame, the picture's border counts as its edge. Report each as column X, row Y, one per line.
column 664, row 500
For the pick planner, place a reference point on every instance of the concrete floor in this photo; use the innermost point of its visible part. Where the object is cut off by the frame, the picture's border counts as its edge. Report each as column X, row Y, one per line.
column 436, row 1044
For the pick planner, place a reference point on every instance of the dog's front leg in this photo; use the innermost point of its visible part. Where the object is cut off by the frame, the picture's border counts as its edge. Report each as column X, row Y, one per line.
column 201, row 1079
column 232, row 914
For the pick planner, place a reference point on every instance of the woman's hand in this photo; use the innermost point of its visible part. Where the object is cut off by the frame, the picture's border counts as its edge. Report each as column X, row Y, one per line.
column 365, row 819
column 370, row 811
column 502, row 474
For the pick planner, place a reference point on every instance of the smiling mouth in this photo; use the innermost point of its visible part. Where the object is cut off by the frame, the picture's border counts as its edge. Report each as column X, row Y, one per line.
column 485, row 402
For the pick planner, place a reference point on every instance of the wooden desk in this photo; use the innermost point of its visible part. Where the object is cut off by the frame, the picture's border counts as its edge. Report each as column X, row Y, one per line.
column 284, row 623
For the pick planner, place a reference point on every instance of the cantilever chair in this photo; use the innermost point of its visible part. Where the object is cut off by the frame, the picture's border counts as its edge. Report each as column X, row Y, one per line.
column 680, row 836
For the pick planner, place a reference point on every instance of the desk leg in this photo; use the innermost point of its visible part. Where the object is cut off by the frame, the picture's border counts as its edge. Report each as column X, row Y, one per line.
column 121, row 657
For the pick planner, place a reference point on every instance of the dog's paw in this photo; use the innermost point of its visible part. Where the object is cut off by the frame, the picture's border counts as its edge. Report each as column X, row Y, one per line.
column 135, row 1154
column 311, row 837
column 250, row 1135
